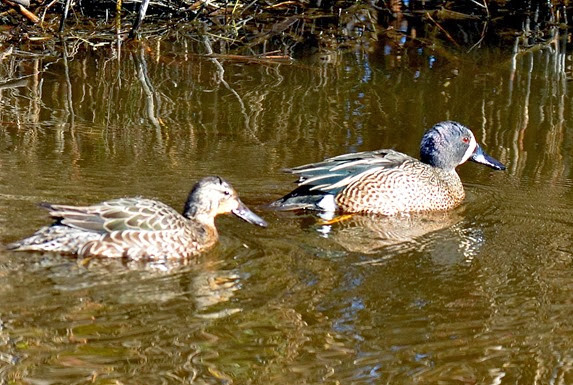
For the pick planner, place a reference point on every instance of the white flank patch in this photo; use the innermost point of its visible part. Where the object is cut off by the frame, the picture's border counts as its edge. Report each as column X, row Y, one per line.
column 327, row 203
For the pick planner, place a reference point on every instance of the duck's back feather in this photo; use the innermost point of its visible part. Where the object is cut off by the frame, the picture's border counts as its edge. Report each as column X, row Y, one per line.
column 329, row 177
column 118, row 215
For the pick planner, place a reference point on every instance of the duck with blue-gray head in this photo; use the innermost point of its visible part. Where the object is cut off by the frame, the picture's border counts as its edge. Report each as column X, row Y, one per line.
column 388, row 182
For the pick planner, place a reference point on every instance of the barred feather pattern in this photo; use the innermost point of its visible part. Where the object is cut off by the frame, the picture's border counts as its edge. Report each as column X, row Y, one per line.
column 333, row 174
column 379, row 182
column 138, row 228
column 134, row 228
column 150, row 245
column 411, row 187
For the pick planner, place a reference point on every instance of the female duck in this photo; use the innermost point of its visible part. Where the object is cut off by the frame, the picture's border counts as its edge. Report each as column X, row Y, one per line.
column 140, row 228
column 388, row 182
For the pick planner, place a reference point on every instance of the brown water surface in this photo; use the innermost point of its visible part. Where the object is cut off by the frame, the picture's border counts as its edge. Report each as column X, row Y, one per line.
column 483, row 294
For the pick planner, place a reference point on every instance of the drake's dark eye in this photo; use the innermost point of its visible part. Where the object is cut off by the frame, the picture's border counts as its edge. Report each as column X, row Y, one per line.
column 466, row 140
column 226, row 193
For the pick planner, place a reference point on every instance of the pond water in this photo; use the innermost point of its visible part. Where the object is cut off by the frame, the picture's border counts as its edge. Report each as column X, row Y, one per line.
column 482, row 294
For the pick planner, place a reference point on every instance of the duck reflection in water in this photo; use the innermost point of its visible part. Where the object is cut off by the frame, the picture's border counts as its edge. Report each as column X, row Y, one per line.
column 394, row 235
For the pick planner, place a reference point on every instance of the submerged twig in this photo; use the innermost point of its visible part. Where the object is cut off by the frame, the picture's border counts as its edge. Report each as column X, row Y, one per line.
column 484, row 6
column 221, row 73
column 151, row 99
column 46, row 9
column 481, row 37
column 65, row 15
column 14, row 83
column 271, row 59
column 450, row 38
column 140, row 16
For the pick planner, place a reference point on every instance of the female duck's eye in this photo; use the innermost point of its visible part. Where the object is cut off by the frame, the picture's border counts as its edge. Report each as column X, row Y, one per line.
column 465, row 139
column 226, row 193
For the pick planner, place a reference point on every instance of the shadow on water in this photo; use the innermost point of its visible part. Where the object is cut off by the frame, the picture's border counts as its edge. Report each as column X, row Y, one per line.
column 482, row 295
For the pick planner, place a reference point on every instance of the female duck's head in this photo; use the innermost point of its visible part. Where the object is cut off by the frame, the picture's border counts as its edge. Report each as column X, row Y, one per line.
column 212, row 196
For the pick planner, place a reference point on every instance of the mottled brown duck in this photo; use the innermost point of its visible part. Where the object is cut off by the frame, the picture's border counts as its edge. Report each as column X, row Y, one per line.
column 139, row 228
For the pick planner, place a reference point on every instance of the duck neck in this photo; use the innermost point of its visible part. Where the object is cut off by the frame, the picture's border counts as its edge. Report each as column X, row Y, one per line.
column 197, row 213
column 202, row 225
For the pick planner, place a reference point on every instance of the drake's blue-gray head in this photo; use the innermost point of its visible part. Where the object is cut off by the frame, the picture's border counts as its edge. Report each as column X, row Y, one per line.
column 449, row 144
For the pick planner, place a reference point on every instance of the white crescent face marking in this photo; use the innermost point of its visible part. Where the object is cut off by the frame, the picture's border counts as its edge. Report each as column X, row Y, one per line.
column 471, row 148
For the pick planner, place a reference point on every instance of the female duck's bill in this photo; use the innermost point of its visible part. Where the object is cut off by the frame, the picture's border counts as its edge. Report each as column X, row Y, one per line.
column 243, row 212
column 140, row 228
column 388, row 182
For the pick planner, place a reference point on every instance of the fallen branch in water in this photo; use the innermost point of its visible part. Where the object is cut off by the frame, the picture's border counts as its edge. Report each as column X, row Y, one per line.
column 21, row 5
column 252, row 59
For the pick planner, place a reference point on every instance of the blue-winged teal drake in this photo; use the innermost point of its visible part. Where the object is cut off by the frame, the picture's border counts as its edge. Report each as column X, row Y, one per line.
column 138, row 228
column 388, row 182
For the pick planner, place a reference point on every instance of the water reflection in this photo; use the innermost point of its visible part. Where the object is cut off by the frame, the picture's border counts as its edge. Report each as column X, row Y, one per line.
column 185, row 103
column 370, row 233
column 481, row 294
column 94, row 316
